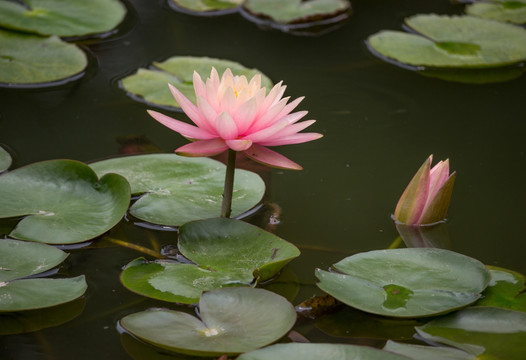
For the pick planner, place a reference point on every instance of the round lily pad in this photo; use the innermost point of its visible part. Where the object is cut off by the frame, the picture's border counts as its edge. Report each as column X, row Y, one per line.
column 506, row 290
column 486, row 332
column 5, row 159
column 179, row 189
column 417, row 352
column 226, row 252
column 453, row 41
column 62, row 18
column 319, row 351
column 512, row 11
column 151, row 86
column 31, row 59
column 207, row 6
column 63, row 201
column 296, row 11
column 19, row 259
column 410, row 282
column 232, row 321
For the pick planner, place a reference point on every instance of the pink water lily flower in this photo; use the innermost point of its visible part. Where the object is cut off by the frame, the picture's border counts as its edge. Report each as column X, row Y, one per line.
column 426, row 198
column 233, row 113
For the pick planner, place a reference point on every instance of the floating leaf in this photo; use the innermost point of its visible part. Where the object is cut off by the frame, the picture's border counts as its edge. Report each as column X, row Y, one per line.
column 30, row 294
column 506, row 290
column 63, row 201
column 512, row 11
column 456, row 41
column 179, row 189
column 418, row 352
column 207, row 5
column 152, row 85
column 5, row 159
column 19, row 259
column 295, row 11
column 319, row 351
column 31, row 59
column 62, row 18
column 486, row 332
column 233, row 320
column 410, row 282
column 33, row 320
column 227, row 253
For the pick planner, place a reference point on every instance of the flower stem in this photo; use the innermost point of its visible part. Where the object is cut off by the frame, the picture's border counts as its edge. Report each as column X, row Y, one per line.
column 226, row 206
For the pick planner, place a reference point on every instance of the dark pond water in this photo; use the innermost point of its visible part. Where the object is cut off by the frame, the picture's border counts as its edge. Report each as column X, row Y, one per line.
column 380, row 123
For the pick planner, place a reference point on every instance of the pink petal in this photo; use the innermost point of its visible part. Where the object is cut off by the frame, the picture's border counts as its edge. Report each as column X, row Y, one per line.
column 245, row 115
column 199, row 85
column 208, row 112
column 267, row 133
column 267, row 119
column 292, row 118
column 269, row 100
column 202, row 148
column 255, row 82
column 287, row 109
column 238, row 145
column 182, row 128
column 293, row 139
column 229, row 101
column 294, row 128
column 188, row 107
column 226, row 126
column 271, row 158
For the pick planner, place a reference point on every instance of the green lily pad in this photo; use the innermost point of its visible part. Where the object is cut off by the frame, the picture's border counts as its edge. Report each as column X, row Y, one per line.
column 233, row 320
column 180, row 189
column 227, row 253
column 486, row 332
column 5, row 159
column 456, row 41
column 319, row 351
column 506, row 290
column 28, row 294
column 62, row 18
column 22, row 322
column 410, row 282
column 512, row 11
column 63, row 201
column 296, row 11
column 418, row 352
column 31, row 59
column 208, row 5
column 151, row 86
column 19, row 259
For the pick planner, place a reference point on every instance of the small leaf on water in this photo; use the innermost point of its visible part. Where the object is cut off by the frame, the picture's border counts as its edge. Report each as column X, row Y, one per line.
column 397, row 296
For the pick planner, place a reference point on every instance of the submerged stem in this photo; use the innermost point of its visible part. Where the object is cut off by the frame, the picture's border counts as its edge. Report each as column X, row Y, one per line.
column 226, row 206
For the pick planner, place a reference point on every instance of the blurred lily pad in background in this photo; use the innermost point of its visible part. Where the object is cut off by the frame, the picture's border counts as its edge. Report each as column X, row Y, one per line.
column 62, row 201
column 31, row 59
column 232, row 321
column 177, row 189
column 512, row 11
column 151, row 85
column 62, row 18
column 207, row 6
column 410, row 282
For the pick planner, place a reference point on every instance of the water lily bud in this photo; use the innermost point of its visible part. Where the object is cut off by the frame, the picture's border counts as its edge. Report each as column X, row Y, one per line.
column 426, row 198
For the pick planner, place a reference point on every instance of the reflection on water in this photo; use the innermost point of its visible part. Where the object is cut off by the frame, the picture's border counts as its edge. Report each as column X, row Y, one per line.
column 378, row 121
